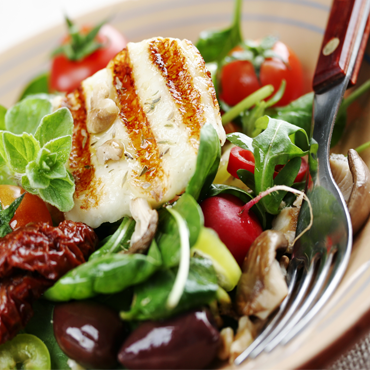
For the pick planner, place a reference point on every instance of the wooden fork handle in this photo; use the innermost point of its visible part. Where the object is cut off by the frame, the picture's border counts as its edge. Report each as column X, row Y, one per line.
column 338, row 43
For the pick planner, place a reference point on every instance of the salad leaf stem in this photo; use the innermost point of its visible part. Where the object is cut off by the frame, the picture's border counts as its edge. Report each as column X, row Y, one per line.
column 362, row 147
column 247, row 103
column 183, row 271
column 354, row 95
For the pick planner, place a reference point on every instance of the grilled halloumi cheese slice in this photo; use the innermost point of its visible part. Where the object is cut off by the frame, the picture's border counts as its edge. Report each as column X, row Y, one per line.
column 137, row 128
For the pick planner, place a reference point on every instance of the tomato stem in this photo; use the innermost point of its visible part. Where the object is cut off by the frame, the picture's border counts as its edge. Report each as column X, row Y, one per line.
column 247, row 103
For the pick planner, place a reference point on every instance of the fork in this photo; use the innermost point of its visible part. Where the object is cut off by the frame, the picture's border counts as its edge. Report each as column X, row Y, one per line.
column 320, row 256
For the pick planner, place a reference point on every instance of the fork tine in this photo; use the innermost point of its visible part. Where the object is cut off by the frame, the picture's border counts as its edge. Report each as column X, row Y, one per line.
column 304, row 283
column 339, row 268
column 310, row 300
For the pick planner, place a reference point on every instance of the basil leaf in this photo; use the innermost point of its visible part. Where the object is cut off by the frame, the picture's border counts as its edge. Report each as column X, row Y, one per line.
column 2, row 117
column 272, row 147
column 41, row 325
column 26, row 115
column 168, row 237
column 54, row 125
column 215, row 45
column 6, row 216
column 208, row 160
column 19, row 150
column 59, row 193
column 150, row 297
column 40, row 84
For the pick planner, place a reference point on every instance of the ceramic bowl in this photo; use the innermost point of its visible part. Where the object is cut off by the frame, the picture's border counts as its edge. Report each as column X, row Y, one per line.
column 300, row 24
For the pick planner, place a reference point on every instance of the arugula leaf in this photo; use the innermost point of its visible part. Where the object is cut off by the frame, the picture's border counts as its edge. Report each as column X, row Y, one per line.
column 2, row 117
column 215, row 45
column 26, row 115
column 168, row 236
column 54, row 126
column 241, row 140
column 208, row 159
column 40, row 84
column 7, row 214
column 272, row 147
column 151, row 296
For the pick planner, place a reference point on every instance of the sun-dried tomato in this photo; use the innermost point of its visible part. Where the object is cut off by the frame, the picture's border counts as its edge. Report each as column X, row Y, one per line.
column 16, row 297
column 32, row 258
column 50, row 251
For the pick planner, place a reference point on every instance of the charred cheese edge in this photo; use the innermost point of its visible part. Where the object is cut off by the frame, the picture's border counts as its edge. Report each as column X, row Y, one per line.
column 137, row 128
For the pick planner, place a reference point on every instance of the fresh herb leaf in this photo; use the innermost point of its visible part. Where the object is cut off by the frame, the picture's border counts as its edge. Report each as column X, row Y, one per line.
column 6, row 216
column 215, row 45
column 26, row 115
column 117, row 242
column 2, row 117
column 168, row 236
column 19, row 150
column 54, row 126
column 241, row 140
column 40, row 84
column 39, row 161
column 107, row 274
column 272, row 147
column 150, row 297
column 208, row 159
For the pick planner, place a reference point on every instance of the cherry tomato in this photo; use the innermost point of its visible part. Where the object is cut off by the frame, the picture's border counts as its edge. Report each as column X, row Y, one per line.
column 239, row 79
column 244, row 159
column 66, row 75
column 31, row 209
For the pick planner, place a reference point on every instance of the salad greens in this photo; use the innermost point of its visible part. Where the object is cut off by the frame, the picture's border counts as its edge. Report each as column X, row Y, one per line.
column 7, row 214
column 215, row 45
column 35, row 148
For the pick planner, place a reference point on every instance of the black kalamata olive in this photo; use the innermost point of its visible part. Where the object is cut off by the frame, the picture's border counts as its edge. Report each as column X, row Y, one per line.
column 188, row 341
column 89, row 333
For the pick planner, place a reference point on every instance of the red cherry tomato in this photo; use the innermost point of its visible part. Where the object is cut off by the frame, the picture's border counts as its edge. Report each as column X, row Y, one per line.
column 31, row 209
column 239, row 79
column 244, row 159
column 236, row 229
column 66, row 75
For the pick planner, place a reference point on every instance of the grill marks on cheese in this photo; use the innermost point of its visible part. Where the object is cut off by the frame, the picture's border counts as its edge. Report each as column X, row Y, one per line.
column 167, row 56
column 80, row 164
column 164, row 96
column 134, row 118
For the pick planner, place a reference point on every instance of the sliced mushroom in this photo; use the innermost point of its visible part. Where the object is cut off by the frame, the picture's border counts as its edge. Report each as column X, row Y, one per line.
column 262, row 286
column 146, row 225
column 244, row 337
column 110, row 150
column 286, row 221
column 103, row 111
column 353, row 179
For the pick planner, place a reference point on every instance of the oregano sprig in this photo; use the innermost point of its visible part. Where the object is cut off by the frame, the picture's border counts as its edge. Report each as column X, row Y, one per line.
column 37, row 157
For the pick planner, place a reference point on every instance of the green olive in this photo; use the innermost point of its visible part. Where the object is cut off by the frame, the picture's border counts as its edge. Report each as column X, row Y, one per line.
column 26, row 350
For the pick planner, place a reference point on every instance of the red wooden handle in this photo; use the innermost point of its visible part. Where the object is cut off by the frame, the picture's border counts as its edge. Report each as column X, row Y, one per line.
column 338, row 42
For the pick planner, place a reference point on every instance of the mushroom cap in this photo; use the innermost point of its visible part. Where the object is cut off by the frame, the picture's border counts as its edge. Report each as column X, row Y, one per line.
column 262, row 286
column 359, row 200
